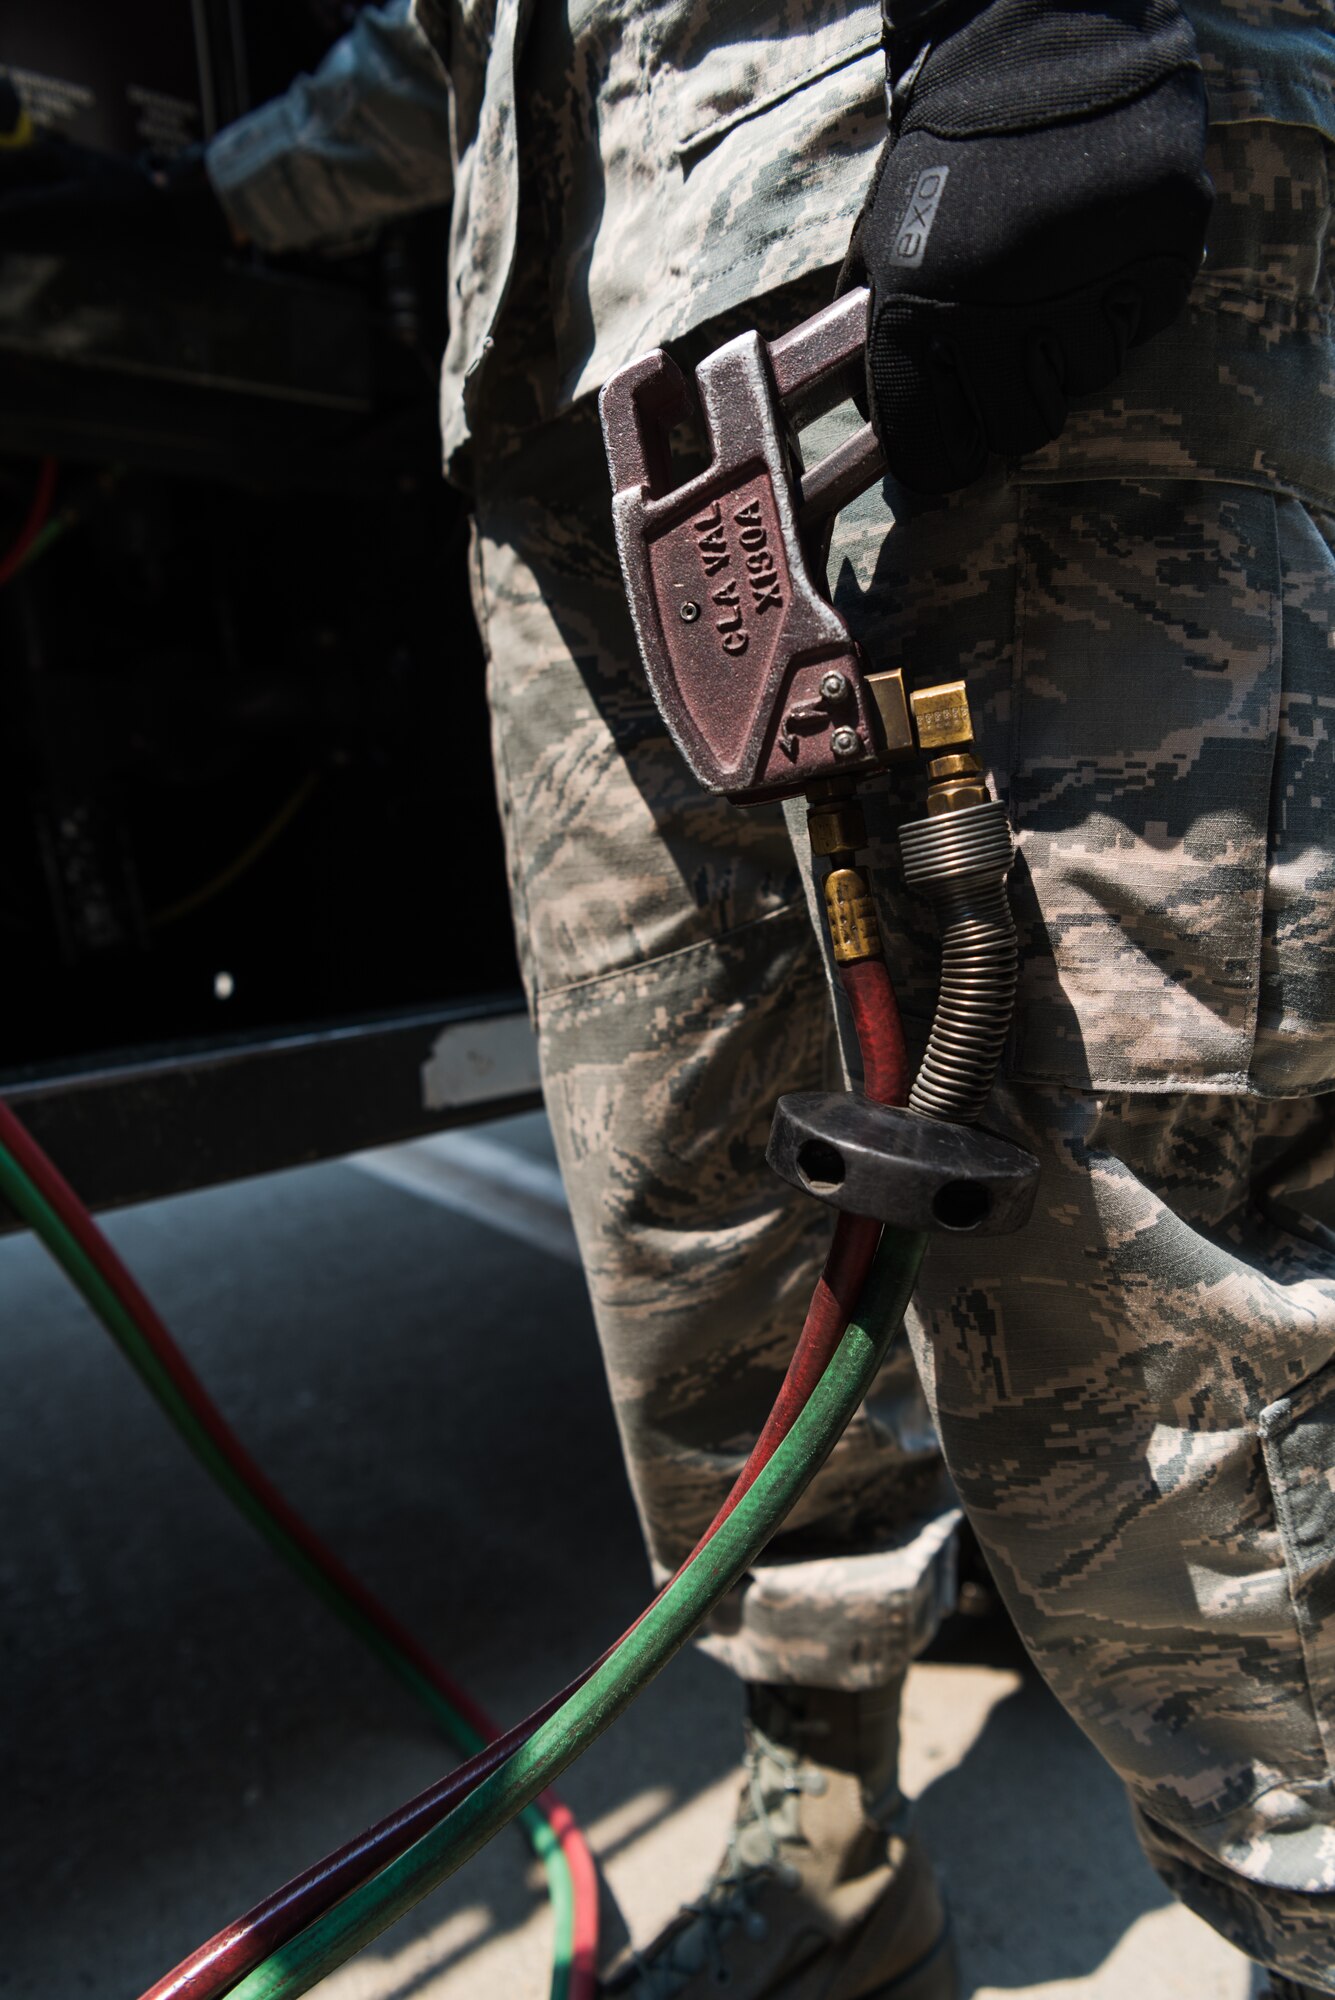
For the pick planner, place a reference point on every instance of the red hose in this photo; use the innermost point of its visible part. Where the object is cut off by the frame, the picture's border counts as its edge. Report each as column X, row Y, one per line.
column 55, row 1189
column 885, row 1071
column 43, row 494
column 225, row 1958
column 880, row 1032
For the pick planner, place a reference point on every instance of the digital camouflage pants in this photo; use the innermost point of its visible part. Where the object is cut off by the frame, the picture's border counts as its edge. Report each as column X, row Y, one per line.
column 1135, row 1396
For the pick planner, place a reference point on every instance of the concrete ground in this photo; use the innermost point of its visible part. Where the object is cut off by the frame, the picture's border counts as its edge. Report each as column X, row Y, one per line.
column 184, row 1726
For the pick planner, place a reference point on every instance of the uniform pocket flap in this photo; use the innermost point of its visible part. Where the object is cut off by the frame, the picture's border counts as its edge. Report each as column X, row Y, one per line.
column 745, row 79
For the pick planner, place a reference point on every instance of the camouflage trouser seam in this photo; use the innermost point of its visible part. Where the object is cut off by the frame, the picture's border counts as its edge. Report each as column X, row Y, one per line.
column 1292, row 1786
column 502, row 782
column 634, row 965
column 1298, row 314
column 1269, row 1433
column 1276, row 666
column 1109, row 472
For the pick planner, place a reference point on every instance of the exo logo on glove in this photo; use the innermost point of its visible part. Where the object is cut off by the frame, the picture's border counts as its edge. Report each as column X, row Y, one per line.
column 1075, row 136
column 919, row 215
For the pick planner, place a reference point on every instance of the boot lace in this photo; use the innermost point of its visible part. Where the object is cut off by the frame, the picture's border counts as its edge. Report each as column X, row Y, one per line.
column 772, row 1775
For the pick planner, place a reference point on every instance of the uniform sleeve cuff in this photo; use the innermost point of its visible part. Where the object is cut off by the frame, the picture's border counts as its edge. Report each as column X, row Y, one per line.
column 247, row 165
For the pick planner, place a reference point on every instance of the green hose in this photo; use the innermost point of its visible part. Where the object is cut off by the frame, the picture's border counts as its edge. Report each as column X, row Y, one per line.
column 31, row 1207
column 664, row 1629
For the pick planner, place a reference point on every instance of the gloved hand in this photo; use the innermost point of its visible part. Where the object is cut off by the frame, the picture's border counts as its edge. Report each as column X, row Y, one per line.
column 58, row 195
column 1039, row 208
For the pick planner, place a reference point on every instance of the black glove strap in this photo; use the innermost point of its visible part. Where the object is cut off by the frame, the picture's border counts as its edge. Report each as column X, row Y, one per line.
column 1022, row 65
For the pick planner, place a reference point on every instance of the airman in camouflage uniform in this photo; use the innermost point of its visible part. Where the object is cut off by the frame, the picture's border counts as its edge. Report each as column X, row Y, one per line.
column 1136, row 1397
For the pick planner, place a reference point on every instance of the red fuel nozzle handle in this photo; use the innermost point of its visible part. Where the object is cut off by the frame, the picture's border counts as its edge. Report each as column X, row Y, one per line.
column 753, row 670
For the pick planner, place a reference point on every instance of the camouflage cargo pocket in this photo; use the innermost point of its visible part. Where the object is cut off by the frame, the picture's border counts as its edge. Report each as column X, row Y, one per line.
column 1171, row 788
column 728, row 65
column 1240, row 1756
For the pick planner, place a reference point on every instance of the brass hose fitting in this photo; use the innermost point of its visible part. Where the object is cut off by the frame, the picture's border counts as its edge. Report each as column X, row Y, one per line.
column 956, row 781
column 836, row 826
column 851, row 915
column 837, row 829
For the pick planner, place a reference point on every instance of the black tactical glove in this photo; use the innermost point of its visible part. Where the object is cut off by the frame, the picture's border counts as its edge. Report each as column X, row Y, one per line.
column 1039, row 208
column 58, row 195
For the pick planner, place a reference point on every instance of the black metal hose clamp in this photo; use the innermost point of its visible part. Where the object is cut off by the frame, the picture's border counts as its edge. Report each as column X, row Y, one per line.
column 894, row 1166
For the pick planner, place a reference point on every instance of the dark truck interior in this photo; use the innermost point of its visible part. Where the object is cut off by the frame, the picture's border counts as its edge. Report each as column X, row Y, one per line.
column 242, row 692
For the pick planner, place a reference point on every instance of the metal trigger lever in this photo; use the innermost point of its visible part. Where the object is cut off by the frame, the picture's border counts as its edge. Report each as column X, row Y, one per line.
column 815, row 366
column 756, row 674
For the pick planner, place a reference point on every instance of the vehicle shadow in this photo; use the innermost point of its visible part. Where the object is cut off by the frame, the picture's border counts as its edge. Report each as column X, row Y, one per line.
column 1031, row 1834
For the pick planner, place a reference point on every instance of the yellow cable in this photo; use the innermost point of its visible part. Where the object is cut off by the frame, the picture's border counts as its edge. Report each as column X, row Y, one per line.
column 186, row 905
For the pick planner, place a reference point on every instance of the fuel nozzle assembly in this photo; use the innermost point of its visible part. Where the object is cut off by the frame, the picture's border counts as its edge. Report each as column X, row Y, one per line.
column 958, row 857
column 919, row 1167
column 767, row 694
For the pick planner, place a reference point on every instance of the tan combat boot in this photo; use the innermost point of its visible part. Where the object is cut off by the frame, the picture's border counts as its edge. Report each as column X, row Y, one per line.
column 815, row 1899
